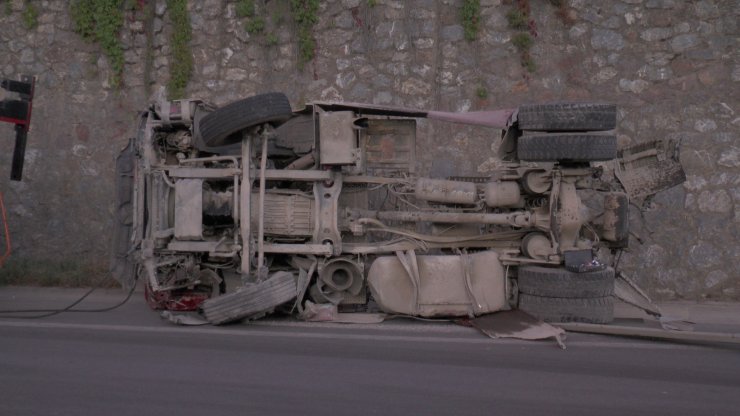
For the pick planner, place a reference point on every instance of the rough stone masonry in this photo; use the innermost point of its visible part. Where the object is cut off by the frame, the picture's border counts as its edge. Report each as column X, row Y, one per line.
column 672, row 66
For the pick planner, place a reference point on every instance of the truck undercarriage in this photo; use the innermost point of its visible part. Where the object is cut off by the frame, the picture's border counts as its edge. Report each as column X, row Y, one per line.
column 239, row 210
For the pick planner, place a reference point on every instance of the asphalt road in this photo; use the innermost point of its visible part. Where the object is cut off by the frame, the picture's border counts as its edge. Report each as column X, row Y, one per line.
column 130, row 362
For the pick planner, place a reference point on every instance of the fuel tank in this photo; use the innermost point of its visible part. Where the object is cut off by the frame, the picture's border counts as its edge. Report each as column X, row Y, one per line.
column 439, row 285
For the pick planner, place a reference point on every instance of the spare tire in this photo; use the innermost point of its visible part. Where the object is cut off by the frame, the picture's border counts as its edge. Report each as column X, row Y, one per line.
column 222, row 127
column 561, row 283
column 572, row 147
column 567, row 117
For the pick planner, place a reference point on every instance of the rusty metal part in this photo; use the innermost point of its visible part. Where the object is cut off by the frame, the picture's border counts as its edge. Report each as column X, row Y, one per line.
column 389, row 147
column 325, row 249
column 302, row 162
column 567, row 219
column 502, row 194
column 615, row 221
column 339, row 279
column 337, row 138
column 648, row 168
column 327, row 227
column 537, row 181
column 267, row 133
column 514, row 219
column 496, row 118
column 287, row 215
column 189, row 209
column 537, row 246
column 245, row 206
column 627, row 291
column 445, row 191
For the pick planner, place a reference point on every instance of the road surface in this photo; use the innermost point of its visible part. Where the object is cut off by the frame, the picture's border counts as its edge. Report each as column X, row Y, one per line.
column 131, row 362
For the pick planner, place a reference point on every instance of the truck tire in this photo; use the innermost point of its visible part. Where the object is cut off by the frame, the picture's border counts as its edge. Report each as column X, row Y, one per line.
column 561, row 283
column 568, row 117
column 572, row 147
column 586, row 310
column 222, row 126
column 251, row 301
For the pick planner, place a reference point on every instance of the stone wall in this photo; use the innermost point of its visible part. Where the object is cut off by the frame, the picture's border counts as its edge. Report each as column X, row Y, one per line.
column 672, row 66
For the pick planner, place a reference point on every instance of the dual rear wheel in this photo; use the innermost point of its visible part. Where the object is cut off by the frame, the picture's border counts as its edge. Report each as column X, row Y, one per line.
column 559, row 295
column 567, row 132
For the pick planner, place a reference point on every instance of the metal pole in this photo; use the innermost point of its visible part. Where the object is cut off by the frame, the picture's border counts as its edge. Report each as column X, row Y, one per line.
column 245, row 216
column 262, row 270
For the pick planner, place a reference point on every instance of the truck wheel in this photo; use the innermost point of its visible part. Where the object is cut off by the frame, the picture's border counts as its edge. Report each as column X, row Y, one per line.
column 251, row 301
column 573, row 147
column 586, row 310
column 222, row 126
column 568, row 117
column 561, row 283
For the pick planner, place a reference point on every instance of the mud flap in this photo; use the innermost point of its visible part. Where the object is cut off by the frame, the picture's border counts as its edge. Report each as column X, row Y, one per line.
column 648, row 168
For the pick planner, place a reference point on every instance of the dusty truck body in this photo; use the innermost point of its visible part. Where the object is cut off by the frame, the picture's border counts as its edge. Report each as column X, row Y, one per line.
column 239, row 210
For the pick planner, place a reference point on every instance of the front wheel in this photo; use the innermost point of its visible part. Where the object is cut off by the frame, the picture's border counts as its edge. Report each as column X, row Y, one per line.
column 223, row 126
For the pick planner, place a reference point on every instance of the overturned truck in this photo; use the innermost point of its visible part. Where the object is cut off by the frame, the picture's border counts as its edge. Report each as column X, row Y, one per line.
column 253, row 207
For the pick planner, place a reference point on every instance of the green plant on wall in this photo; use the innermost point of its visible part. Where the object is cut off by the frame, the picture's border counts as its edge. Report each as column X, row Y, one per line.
column 470, row 15
column 481, row 92
column 255, row 25
column 181, row 67
column 272, row 39
column 100, row 21
column 519, row 20
column 522, row 41
column 30, row 16
column 305, row 16
column 245, row 8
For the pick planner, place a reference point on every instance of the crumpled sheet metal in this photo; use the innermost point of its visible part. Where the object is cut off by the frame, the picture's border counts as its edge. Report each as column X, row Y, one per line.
column 327, row 312
column 517, row 324
column 184, row 318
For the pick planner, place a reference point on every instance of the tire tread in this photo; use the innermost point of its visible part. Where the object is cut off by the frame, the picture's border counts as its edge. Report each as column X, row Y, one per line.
column 568, row 117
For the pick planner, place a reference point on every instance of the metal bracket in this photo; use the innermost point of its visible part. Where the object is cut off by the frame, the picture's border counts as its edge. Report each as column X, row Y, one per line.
column 18, row 112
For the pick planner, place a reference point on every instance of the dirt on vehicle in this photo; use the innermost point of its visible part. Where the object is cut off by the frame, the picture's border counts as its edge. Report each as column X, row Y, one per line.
column 253, row 207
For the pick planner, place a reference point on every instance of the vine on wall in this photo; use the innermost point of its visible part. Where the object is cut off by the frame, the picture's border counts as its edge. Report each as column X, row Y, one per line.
column 100, row 21
column 470, row 15
column 305, row 16
column 30, row 16
column 519, row 19
column 181, row 66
